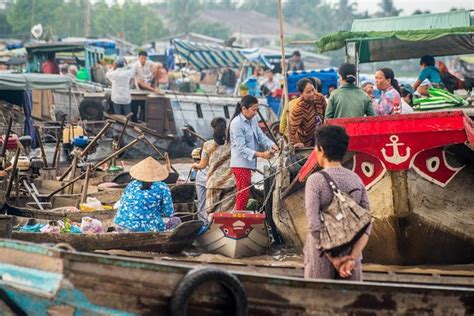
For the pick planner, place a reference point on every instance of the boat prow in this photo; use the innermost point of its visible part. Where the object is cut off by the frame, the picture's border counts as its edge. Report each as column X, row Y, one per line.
column 235, row 235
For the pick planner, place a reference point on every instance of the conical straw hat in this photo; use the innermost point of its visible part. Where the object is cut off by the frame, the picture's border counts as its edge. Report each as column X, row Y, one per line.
column 149, row 170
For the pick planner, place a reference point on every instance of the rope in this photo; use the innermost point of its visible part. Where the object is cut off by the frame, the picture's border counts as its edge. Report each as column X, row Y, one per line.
column 254, row 184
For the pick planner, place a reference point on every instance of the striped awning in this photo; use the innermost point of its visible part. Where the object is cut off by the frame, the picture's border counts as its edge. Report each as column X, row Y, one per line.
column 208, row 56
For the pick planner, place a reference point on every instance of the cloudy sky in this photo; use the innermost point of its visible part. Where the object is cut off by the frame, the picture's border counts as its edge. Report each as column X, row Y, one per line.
column 408, row 6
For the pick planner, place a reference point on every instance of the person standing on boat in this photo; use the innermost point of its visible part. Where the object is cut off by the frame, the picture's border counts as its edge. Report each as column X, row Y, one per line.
column 331, row 146
column 306, row 115
column 390, row 101
column 146, row 200
column 220, row 183
column 120, row 77
column 348, row 100
column 246, row 139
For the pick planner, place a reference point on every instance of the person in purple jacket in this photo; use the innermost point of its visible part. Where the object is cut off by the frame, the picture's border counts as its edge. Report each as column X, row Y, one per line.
column 331, row 146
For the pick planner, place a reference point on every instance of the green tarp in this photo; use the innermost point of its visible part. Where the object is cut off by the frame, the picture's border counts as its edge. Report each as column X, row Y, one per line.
column 445, row 20
column 9, row 81
column 394, row 38
column 381, row 46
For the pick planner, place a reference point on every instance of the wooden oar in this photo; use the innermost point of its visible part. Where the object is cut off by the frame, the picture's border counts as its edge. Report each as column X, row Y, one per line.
column 88, row 147
column 97, row 165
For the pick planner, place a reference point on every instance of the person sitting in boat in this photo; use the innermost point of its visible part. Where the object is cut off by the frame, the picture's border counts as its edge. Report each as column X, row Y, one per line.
column 306, row 114
column 246, row 138
column 146, row 200
column 407, row 98
column 284, row 115
column 220, row 182
column 428, row 71
column 390, row 101
column 146, row 73
column 331, row 145
column 348, row 100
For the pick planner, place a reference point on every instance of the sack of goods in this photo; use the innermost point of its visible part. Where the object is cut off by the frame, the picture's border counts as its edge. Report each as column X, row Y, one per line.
column 343, row 222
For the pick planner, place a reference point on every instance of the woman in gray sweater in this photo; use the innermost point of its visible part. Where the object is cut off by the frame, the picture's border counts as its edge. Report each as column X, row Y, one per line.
column 331, row 145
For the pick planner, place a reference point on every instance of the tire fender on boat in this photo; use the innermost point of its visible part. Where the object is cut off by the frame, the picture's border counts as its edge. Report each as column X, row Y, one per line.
column 193, row 279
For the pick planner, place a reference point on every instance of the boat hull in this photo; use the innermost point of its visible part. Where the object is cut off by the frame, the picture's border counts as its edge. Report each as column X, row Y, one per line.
column 98, row 284
column 421, row 197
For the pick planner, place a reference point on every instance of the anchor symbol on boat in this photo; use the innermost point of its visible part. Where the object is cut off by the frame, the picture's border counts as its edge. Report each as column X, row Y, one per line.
column 396, row 158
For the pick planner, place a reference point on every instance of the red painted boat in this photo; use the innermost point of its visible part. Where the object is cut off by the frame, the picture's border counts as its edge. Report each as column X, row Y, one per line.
column 419, row 172
column 235, row 234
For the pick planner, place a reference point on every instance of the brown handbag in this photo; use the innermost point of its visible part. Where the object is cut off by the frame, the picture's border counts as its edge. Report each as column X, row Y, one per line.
column 343, row 222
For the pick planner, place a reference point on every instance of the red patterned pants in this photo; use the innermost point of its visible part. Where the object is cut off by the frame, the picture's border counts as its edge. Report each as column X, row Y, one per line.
column 243, row 177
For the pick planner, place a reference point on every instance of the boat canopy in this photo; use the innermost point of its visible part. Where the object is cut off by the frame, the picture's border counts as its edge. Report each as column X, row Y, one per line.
column 208, row 56
column 394, row 38
column 11, row 81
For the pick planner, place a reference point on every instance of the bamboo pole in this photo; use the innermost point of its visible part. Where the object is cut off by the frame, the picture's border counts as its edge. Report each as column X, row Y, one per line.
column 13, row 173
column 283, row 61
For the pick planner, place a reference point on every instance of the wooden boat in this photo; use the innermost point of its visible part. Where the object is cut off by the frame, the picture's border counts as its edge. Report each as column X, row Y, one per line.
column 38, row 280
column 235, row 235
column 419, row 172
column 175, row 241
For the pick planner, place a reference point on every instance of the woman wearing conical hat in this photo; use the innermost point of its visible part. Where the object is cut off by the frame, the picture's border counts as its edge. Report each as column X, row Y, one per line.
column 145, row 200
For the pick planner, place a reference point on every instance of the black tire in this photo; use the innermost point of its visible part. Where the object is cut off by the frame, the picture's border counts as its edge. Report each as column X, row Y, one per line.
column 91, row 110
column 193, row 279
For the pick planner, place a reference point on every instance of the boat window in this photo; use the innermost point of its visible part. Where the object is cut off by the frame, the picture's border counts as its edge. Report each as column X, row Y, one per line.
column 226, row 112
column 199, row 110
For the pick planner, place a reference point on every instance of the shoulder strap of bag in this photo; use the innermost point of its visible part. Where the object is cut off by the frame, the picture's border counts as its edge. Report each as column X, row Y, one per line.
column 330, row 182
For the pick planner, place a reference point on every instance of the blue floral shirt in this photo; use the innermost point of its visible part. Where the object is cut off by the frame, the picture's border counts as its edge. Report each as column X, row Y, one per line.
column 142, row 210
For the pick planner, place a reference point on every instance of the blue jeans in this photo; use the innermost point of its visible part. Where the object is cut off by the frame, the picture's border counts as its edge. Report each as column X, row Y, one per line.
column 122, row 109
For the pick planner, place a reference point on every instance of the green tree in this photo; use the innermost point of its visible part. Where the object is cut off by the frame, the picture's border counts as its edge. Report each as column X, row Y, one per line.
column 26, row 13
column 417, row 12
column 212, row 29
column 5, row 27
column 388, row 9
column 182, row 14
column 267, row 7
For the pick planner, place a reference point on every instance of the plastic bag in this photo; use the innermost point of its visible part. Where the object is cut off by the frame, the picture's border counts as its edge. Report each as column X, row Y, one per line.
column 51, row 229
column 92, row 204
column 91, row 226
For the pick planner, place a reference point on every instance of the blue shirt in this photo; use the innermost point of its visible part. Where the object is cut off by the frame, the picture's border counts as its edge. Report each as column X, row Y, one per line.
column 246, row 138
column 142, row 210
column 431, row 73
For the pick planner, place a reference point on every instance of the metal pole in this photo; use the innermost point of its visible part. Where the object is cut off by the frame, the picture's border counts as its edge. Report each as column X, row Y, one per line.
column 268, row 129
column 70, row 105
column 40, row 142
column 58, row 143
column 283, row 61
